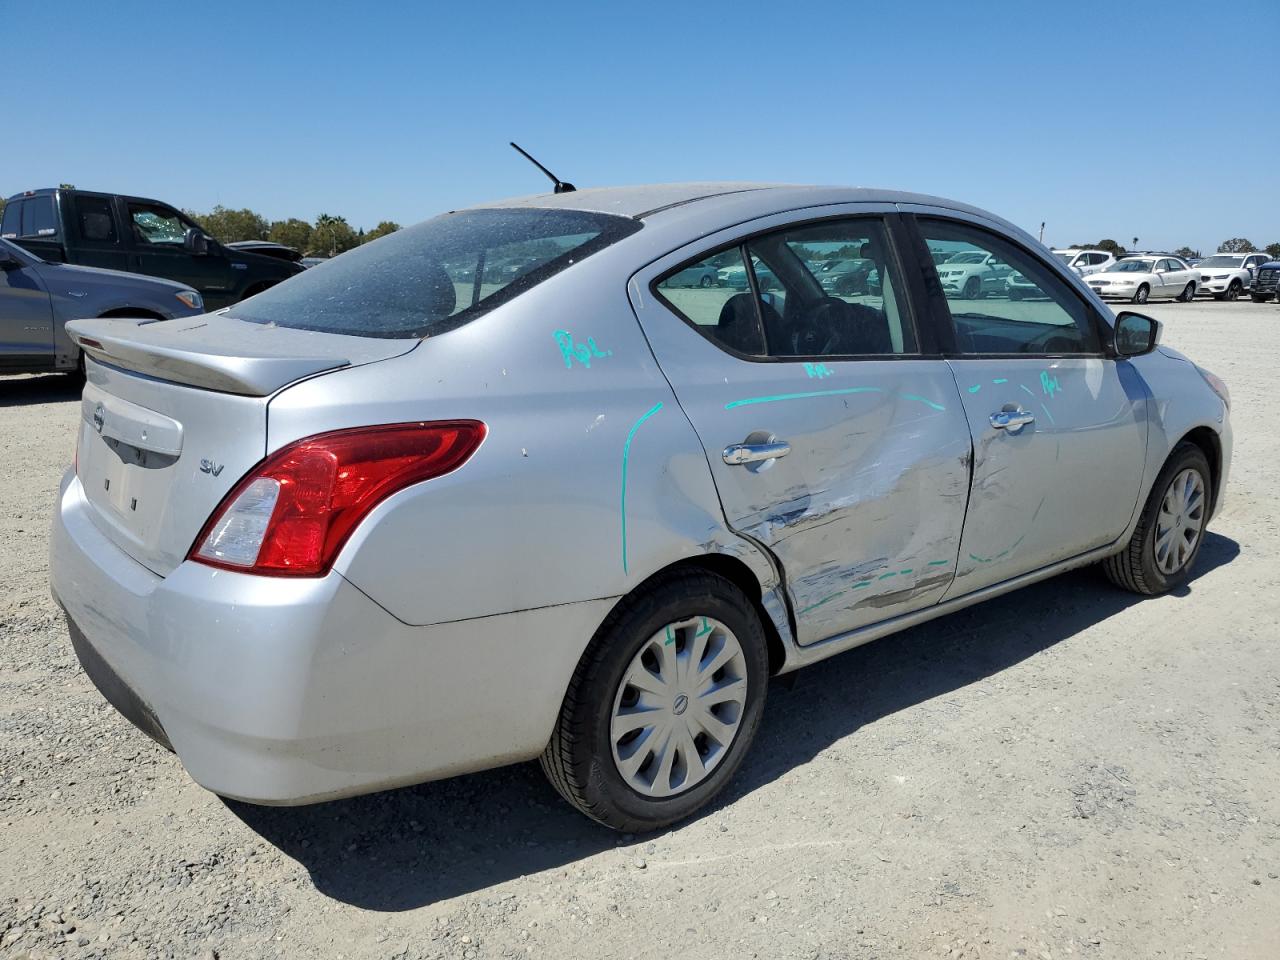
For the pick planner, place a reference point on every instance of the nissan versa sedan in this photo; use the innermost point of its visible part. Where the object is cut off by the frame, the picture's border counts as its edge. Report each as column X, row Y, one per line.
column 382, row 523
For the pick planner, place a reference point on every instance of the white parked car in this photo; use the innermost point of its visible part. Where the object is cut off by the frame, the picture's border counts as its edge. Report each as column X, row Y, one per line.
column 1086, row 261
column 1137, row 279
column 1227, row 275
column 973, row 274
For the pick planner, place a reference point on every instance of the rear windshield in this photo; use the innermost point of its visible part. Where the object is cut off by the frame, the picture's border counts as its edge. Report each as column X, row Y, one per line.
column 435, row 276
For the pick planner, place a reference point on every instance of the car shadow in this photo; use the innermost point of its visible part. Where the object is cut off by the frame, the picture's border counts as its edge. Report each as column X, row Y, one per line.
column 406, row 848
column 21, row 391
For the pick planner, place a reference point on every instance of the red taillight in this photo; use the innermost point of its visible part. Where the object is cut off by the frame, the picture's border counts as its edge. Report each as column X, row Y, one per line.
column 293, row 512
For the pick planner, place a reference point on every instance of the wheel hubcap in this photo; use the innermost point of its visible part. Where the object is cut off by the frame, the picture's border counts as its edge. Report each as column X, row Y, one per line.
column 1179, row 522
column 679, row 707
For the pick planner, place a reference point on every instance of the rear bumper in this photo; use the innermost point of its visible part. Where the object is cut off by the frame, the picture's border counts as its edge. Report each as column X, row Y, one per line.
column 284, row 691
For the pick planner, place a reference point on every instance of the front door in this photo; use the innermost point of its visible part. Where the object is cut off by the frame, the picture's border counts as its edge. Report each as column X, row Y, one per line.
column 158, row 234
column 1058, row 430
column 835, row 440
column 26, row 314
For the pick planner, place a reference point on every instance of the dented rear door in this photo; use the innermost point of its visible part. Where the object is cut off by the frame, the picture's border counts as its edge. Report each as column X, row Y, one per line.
column 864, row 511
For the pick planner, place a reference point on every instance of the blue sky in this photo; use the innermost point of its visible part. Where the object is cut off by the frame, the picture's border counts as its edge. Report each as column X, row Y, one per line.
column 1116, row 120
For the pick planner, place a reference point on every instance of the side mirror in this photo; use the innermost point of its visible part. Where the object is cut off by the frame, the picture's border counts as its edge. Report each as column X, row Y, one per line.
column 195, row 243
column 1135, row 334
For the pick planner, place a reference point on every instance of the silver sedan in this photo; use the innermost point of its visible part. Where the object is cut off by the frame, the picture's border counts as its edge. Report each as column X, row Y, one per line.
column 396, row 519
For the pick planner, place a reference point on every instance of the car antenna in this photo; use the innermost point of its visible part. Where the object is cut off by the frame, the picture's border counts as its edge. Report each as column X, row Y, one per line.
column 561, row 185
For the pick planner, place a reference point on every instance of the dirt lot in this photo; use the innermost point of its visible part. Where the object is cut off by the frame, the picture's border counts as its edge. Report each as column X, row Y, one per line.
column 1063, row 772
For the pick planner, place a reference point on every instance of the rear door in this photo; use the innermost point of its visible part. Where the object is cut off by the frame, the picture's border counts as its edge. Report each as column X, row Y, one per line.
column 1058, row 433
column 834, row 432
column 94, row 231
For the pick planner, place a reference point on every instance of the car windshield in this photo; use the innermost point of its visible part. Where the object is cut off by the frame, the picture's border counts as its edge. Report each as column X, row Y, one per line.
column 1133, row 266
column 972, row 256
column 1221, row 262
column 435, row 276
column 1066, row 257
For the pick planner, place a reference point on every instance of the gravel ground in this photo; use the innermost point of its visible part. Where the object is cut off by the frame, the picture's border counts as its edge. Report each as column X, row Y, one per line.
column 1066, row 771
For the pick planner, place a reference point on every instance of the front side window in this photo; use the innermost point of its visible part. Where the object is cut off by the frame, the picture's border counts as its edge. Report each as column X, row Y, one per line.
column 435, row 276
column 154, row 225
column 1005, row 300
column 817, row 290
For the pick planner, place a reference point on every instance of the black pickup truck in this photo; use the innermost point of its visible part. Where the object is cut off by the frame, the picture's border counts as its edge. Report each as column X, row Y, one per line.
column 140, row 236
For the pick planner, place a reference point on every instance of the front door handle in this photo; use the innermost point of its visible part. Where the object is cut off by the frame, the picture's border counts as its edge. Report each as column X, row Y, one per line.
column 1012, row 420
column 740, row 453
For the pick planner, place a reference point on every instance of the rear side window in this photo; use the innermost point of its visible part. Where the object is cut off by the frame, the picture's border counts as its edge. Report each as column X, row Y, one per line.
column 96, row 222
column 436, row 276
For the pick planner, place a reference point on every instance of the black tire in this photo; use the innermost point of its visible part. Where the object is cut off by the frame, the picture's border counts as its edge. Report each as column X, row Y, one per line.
column 579, row 758
column 1015, row 294
column 1233, row 291
column 1258, row 299
column 705, row 280
column 1134, row 568
column 1188, row 293
column 1141, row 294
column 972, row 289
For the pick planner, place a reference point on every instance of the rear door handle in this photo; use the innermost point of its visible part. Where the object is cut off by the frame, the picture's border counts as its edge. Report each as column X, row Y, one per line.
column 740, row 453
column 1012, row 420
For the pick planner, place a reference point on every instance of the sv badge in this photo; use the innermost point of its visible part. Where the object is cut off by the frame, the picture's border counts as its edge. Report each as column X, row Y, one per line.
column 209, row 467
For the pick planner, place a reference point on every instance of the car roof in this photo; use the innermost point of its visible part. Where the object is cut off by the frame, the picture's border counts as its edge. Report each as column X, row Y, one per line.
column 647, row 201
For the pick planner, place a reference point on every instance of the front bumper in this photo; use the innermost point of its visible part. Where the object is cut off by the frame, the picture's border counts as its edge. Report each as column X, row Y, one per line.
column 284, row 691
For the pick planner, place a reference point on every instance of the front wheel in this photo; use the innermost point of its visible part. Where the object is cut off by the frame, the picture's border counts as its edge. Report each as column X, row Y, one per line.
column 1233, row 291
column 1258, row 298
column 972, row 289
column 1167, row 540
column 663, row 705
column 1142, row 293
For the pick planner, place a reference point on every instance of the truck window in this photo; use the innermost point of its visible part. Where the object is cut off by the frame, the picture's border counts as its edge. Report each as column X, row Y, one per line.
column 154, row 224
column 96, row 222
column 38, row 219
column 11, row 226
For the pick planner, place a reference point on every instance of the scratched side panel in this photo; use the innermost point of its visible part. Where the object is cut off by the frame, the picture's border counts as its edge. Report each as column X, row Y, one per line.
column 589, row 480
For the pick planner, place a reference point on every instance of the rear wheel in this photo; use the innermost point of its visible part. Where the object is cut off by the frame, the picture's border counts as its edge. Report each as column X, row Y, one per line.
column 1167, row 540
column 705, row 281
column 663, row 705
column 1188, row 294
column 1142, row 293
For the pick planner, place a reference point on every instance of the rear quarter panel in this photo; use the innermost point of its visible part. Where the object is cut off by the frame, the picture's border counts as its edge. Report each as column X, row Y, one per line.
column 589, row 480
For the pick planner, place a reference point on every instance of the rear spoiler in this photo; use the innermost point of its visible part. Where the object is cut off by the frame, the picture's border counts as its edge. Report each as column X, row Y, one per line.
column 171, row 352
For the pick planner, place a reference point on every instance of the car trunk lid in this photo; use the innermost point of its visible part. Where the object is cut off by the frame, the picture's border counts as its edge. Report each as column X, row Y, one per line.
column 174, row 413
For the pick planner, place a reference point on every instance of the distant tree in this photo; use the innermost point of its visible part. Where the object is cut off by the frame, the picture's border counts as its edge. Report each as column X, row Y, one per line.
column 1, row 207
column 1236, row 245
column 292, row 233
column 66, row 186
column 332, row 235
column 381, row 230
column 1185, row 252
column 1272, row 249
column 231, row 226
column 1108, row 245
